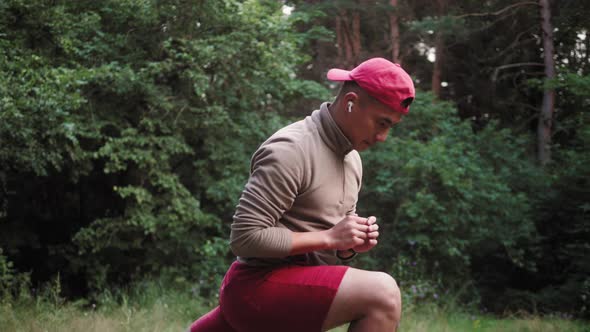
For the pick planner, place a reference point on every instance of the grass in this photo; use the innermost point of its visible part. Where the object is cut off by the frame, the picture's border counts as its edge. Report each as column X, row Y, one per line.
column 436, row 319
column 152, row 308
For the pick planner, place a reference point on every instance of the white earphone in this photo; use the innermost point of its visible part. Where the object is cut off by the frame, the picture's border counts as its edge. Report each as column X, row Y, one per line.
column 350, row 106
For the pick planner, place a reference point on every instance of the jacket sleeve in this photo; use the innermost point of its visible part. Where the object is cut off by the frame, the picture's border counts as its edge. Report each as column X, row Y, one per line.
column 275, row 179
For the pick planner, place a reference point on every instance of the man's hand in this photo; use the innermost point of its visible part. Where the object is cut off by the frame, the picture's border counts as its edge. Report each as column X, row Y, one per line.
column 350, row 232
column 372, row 235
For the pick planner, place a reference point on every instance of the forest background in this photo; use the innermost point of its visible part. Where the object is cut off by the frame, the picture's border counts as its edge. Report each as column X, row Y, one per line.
column 127, row 126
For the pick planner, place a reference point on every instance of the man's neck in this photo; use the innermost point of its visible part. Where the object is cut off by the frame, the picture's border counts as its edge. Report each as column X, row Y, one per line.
column 339, row 116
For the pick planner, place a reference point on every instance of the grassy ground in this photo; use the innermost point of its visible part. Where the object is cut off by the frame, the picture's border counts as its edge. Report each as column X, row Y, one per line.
column 153, row 309
column 438, row 320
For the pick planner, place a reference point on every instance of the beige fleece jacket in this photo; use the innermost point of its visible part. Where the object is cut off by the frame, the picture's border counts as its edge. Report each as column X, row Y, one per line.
column 305, row 177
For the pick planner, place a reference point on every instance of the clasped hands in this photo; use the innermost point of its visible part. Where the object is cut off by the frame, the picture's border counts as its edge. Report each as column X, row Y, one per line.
column 354, row 232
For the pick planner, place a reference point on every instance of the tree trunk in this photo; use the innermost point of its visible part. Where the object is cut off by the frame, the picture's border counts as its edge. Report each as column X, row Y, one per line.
column 356, row 37
column 348, row 37
column 394, row 33
column 437, row 70
column 339, row 38
column 439, row 46
column 546, row 116
column 345, row 37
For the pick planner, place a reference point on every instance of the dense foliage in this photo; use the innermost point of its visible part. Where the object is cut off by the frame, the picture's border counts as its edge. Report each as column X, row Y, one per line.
column 126, row 129
column 448, row 194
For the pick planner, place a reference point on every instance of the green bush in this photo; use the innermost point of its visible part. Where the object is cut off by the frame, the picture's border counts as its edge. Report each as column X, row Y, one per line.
column 446, row 194
column 12, row 283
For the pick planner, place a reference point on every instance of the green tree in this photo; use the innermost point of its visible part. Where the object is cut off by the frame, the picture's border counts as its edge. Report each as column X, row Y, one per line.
column 127, row 128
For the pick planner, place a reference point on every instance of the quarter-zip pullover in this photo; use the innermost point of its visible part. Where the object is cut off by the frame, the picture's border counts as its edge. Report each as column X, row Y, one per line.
column 306, row 177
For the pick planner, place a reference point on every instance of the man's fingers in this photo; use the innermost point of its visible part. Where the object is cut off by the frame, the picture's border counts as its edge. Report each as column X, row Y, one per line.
column 373, row 235
column 373, row 228
column 360, row 234
column 358, row 241
column 361, row 220
column 362, row 228
column 364, row 221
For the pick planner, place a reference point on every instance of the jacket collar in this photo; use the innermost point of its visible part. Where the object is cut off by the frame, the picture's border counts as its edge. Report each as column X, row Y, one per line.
column 331, row 134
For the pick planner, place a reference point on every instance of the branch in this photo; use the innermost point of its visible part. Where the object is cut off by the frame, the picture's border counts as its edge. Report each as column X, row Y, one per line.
column 496, row 13
column 526, row 122
column 520, row 64
column 512, row 45
column 500, row 18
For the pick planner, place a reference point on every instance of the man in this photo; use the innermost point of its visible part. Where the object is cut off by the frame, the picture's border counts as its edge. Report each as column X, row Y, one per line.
column 296, row 218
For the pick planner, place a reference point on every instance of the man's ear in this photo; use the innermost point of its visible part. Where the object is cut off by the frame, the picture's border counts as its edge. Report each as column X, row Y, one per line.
column 351, row 97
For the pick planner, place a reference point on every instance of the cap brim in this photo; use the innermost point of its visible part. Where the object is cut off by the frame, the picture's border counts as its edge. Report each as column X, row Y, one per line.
column 339, row 75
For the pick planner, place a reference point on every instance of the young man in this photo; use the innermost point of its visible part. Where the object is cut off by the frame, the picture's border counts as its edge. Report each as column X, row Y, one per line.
column 296, row 218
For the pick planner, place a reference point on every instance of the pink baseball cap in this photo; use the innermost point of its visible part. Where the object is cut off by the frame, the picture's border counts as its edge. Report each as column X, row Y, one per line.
column 383, row 80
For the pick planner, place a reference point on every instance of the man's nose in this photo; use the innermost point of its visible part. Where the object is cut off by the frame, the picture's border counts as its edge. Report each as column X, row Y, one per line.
column 382, row 136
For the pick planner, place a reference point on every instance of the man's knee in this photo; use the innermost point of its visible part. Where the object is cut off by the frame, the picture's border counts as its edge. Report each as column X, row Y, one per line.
column 389, row 295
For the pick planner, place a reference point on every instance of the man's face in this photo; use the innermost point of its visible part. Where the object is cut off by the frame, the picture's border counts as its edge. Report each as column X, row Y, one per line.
column 371, row 123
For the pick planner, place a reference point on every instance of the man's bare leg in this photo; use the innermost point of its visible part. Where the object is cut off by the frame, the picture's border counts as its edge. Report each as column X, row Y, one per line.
column 370, row 301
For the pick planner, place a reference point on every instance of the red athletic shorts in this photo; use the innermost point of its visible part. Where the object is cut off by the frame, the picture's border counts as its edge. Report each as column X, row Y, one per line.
column 289, row 298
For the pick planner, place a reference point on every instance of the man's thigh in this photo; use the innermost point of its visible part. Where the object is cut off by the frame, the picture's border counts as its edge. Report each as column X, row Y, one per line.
column 291, row 298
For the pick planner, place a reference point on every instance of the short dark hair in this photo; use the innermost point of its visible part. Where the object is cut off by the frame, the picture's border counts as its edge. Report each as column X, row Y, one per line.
column 349, row 86
column 352, row 86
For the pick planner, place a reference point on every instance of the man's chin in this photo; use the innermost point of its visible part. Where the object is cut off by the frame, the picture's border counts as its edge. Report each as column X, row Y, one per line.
column 362, row 146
